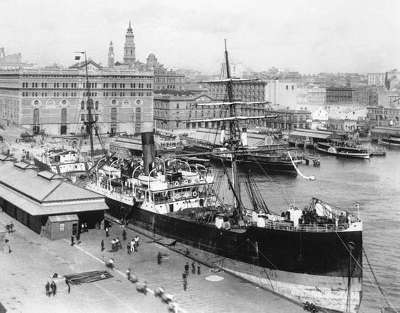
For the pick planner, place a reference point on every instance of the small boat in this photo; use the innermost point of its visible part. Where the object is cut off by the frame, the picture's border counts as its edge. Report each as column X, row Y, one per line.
column 392, row 141
column 343, row 149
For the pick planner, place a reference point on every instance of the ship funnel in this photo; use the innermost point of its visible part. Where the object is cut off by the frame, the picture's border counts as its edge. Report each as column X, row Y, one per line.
column 223, row 135
column 148, row 147
column 243, row 137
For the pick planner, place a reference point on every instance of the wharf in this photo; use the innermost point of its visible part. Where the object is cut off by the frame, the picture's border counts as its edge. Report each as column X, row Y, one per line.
column 34, row 259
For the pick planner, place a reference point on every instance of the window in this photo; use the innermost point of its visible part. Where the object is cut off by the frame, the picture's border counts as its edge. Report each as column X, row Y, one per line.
column 287, row 87
column 82, row 117
column 96, row 104
column 82, row 105
column 62, row 226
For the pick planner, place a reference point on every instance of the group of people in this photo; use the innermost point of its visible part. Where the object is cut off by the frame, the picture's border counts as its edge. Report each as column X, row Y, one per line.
column 133, row 245
column 116, row 244
column 185, row 274
column 51, row 288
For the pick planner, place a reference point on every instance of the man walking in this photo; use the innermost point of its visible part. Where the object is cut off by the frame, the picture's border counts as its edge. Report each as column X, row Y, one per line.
column 184, row 280
column 47, row 287
column 53, row 287
column 102, row 245
column 159, row 258
column 107, row 230
column 187, row 268
column 124, row 234
column 72, row 240
column 193, row 268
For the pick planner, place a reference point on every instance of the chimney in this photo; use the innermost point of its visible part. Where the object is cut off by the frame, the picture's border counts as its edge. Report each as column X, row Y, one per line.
column 148, row 147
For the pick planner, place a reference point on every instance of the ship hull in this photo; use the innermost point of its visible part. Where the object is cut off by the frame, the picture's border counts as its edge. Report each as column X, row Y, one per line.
column 301, row 266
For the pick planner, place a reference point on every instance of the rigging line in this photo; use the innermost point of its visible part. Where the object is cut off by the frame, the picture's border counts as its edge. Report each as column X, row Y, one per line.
column 231, row 186
column 376, row 283
column 271, row 181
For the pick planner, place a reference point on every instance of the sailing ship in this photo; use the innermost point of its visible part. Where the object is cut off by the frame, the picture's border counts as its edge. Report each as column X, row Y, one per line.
column 343, row 149
column 310, row 255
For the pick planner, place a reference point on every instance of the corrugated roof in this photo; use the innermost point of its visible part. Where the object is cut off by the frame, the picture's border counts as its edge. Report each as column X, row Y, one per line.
column 35, row 208
column 63, row 218
column 310, row 134
column 40, row 189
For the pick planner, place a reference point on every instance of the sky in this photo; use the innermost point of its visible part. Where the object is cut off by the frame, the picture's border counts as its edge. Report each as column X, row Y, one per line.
column 308, row 36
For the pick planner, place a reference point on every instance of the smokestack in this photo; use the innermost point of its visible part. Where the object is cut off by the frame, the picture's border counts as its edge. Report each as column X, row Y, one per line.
column 243, row 137
column 148, row 146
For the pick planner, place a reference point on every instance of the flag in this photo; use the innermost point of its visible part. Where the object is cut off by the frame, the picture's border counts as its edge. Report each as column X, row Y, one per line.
column 77, row 57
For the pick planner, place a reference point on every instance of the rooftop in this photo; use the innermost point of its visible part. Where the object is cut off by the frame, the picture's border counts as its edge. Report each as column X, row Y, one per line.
column 41, row 193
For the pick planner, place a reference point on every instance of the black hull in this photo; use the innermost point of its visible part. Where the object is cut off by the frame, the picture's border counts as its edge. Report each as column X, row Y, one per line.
column 302, row 266
column 315, row 253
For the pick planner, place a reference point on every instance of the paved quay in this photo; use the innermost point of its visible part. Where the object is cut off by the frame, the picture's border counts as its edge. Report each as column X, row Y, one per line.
column 34, row 259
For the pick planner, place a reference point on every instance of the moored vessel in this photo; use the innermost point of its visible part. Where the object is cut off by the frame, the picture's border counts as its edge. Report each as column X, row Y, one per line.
column 311, row 254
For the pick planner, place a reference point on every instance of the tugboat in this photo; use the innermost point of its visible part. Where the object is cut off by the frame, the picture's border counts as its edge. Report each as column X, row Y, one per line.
column 343, row 149
column 312, row 256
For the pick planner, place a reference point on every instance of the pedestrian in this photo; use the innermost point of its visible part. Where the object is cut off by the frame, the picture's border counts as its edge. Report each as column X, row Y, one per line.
column 86, row 227
column 102, row 245
column 128, row 274
column 187, row 268
column 184, row 280
column 198, row 269
column 53, row 287
column 47, row 287
column 78, row 237
column 68, row 285
column 193, row 268
column 132, row 246
column 124, row 234
column 159, row 258
column 107, row 230
column 72, row 240
column 128, row 248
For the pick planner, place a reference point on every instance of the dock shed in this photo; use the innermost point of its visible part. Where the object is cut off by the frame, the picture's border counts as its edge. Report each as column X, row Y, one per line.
column 308, row 137
column 61, row 226
column 41, row 200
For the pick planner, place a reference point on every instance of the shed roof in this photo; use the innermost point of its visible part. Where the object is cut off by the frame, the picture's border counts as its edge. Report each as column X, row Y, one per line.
column 39, row 195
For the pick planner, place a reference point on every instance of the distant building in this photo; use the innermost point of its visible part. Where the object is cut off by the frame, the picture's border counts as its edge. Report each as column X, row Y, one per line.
column 339, row 95
column 383, row 116
column 342, row 125
column 376, row 79
column 164, row 79
column 129, row 47
column 9, row 61
column 192, row 112
column 288, row 119
column 243, row 90
column 282, row 93
column 54, row 100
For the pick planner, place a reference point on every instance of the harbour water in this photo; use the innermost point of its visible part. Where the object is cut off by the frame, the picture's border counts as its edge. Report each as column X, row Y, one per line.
column 375, row 185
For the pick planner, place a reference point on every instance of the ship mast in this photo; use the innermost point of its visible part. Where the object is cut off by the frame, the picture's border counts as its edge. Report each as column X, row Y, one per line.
column 233, row 142
column 89, row 105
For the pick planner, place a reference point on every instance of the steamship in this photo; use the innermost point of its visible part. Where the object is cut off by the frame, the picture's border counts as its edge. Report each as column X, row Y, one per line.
column 313, row 254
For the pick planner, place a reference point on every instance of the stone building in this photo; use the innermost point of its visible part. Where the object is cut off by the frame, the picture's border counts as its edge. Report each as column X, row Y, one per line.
column 193, row 112
column 54, row 100
column 340, row 95
column 243, row 90
column 282, row 93
column 383, row 116
column 288, row 119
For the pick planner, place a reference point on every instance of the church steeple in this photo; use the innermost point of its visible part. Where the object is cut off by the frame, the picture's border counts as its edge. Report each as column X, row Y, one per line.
column 129, row 47
column 111, row 55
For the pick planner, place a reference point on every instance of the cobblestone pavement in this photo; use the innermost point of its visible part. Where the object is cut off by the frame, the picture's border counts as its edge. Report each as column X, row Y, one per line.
column 33, row 259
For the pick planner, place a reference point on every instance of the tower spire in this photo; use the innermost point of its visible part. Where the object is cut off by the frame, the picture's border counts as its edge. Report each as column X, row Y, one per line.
column 129, row 47
column 111, row 55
